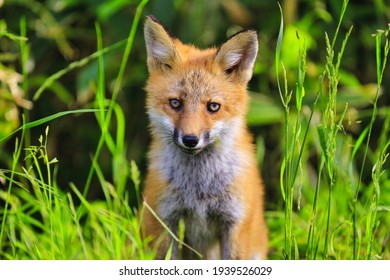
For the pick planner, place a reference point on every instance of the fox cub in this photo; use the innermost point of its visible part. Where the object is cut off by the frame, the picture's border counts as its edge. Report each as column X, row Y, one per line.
column 202, row 168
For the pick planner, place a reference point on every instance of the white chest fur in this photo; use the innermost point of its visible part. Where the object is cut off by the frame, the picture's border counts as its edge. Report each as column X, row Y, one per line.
column 199, row 192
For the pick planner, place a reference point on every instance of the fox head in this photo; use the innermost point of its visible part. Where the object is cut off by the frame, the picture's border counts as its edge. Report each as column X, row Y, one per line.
column 197, row 98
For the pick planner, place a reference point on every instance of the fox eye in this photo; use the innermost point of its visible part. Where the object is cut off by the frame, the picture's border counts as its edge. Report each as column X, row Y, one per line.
column 213, row 107
column 175, row 104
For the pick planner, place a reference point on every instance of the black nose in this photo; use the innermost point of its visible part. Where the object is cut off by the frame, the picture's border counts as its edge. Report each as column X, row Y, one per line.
column 190, row 141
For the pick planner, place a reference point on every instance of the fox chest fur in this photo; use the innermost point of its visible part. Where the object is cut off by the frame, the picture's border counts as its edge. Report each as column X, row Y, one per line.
column 198, row 191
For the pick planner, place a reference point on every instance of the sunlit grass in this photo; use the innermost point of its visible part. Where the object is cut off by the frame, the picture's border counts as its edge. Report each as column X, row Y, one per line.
column 41, row 221
column 338, row 216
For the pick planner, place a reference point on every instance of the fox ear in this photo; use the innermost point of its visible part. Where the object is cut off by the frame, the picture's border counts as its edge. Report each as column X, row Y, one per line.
column 159, row 45
column 237, row 55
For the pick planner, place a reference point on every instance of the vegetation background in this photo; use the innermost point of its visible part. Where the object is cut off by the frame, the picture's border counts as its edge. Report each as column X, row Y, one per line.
column 77, row 183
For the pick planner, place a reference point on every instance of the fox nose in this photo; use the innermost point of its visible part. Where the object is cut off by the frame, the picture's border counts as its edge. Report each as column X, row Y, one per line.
column 190, row 141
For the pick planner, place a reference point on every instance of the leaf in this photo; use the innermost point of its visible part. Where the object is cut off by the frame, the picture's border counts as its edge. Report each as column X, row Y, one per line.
column 282, row 169
column 322, row 138
column 359, row 142
column 277, row 53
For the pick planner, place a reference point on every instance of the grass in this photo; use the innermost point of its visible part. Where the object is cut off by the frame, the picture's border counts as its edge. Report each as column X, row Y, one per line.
column 39, row 220
column 342, row 219
column 330, row 211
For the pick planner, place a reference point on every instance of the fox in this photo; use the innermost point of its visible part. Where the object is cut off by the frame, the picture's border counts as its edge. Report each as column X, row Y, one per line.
column 202, row 170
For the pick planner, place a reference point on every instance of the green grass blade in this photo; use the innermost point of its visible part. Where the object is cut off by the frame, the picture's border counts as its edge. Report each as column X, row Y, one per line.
column 300, row 89
column 173, row 235
column 77, row 64
column 282, row 179
column 12, row 36
column 343, row 9
column 129, row 44
column 48, row 119
column 16, row 157
column 277, row 54
column 359, row 142
column 380, row 66
column 100, row 97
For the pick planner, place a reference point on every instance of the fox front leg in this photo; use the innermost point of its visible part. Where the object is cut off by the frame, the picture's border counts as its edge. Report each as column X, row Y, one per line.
column 173, row 242
column 226, row 245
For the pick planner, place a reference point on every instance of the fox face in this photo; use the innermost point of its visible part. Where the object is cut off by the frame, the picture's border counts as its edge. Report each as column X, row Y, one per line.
column 197, row 99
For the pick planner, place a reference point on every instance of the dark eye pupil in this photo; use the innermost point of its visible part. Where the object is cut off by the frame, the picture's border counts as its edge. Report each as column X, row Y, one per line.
column 213, row 107
column 175, row 103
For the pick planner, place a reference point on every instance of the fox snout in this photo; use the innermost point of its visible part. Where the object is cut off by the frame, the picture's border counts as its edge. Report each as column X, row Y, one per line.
column 191, row 143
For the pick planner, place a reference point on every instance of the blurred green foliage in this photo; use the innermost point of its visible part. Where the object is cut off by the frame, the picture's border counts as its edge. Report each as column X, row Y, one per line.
column 60, row 32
